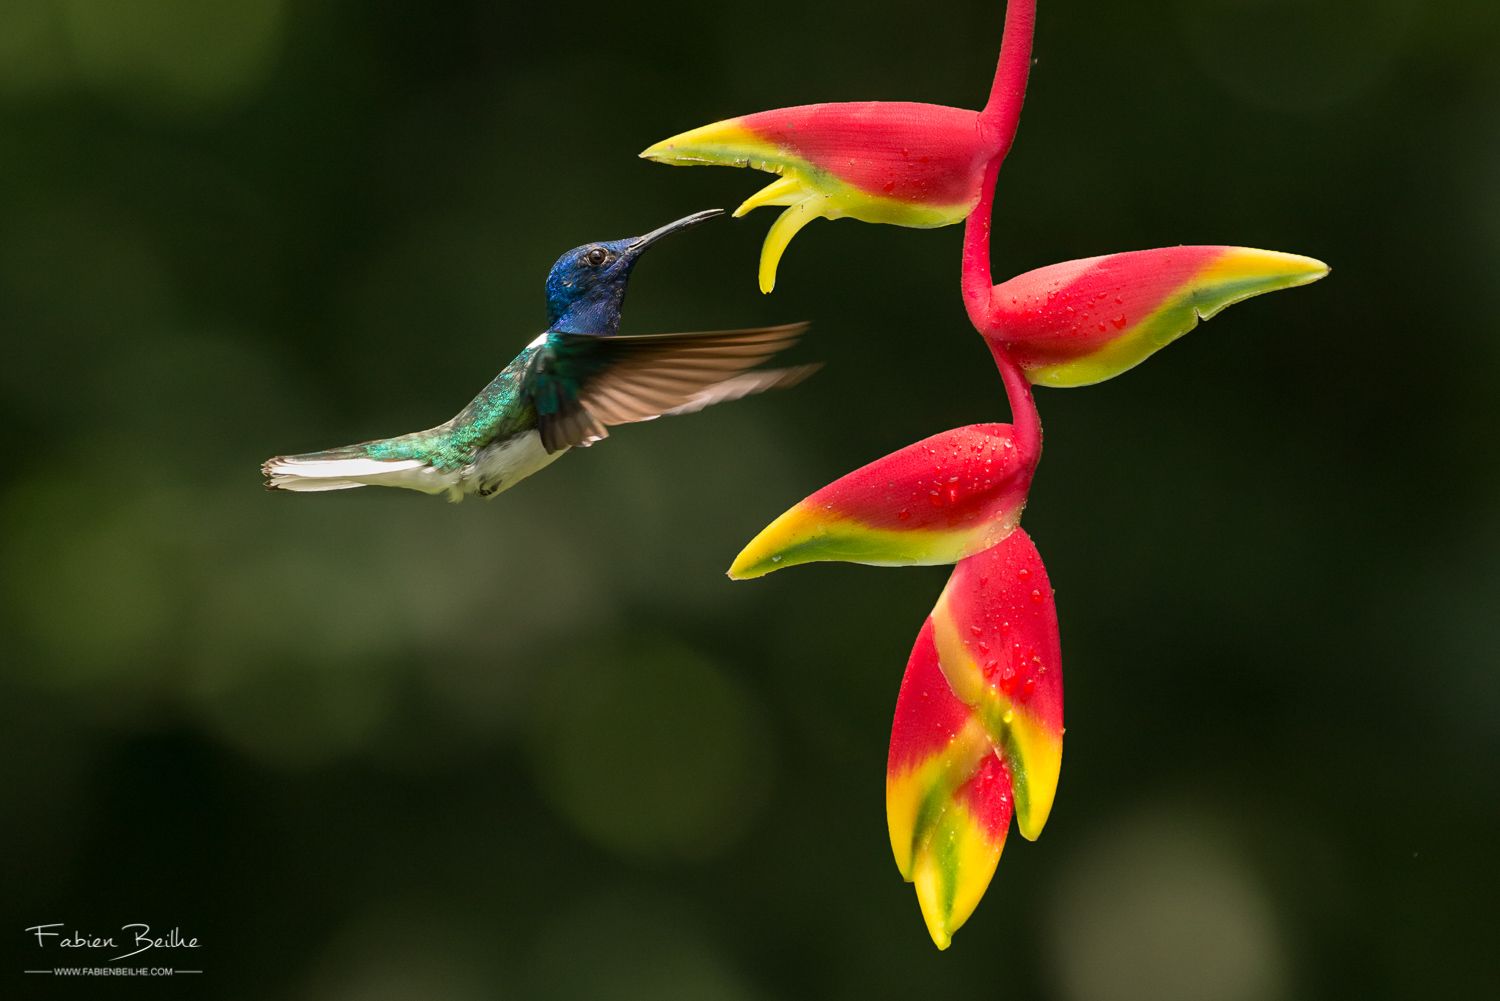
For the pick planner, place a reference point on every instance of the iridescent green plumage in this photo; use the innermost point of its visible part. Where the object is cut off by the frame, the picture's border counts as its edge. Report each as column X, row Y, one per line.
column 501, row 410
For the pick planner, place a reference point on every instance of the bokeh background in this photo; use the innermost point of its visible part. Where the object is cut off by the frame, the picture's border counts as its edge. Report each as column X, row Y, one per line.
column 375, row 746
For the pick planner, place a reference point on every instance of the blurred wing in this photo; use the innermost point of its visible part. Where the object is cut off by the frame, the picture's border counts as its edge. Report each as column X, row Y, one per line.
column 582, row 384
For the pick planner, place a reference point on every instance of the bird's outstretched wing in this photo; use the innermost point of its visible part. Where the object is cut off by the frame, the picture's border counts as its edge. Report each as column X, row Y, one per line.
column 582, row 384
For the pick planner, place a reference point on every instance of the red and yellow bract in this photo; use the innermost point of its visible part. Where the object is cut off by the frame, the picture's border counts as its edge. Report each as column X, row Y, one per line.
column 947, row 795
column 977, row 732
column 918, row 165
column 898, row 162
column 1081, row 322
column 937, row 501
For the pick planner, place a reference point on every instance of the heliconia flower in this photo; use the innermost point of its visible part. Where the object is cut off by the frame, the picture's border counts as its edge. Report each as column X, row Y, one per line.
column 937, row 501
column 978, row 730
column 919, row 165
column 1082, row 322
column 947, row 795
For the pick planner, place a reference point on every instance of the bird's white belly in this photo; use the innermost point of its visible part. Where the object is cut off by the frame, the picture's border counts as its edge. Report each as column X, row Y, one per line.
column 500, row 466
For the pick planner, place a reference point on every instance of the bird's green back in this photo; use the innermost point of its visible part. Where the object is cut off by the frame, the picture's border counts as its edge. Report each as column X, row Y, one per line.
column 502, row 409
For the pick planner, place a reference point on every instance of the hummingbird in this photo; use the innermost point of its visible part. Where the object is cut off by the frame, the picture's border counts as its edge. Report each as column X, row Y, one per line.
column 565, row 389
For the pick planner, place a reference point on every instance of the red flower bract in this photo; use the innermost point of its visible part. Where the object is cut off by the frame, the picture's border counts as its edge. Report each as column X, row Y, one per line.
column 937, row 501
column 978, row 730
column 1082, row 322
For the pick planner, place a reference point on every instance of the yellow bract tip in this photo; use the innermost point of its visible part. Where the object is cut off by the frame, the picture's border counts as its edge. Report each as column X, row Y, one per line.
column 782, row 230
column 1040, row 755
column 782, row 191
column 1244, row 272
column 1246, row 262
column 952, row 871
column 766, row 552
column 726, row 143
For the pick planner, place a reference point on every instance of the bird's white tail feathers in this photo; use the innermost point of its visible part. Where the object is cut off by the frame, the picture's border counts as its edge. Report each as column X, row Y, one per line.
column 306, row 474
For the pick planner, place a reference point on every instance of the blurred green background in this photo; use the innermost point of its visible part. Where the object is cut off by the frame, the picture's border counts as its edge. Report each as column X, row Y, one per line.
column 375, row 746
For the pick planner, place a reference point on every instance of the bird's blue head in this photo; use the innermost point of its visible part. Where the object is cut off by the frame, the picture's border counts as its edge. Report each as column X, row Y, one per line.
column 586, row 287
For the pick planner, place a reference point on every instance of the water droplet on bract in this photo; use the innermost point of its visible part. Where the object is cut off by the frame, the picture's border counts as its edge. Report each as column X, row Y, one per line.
column 1119, row 322
column 776, row 559
column 1009, row 716
column 903, row 514
column 1024, row 573
column 1036, row 597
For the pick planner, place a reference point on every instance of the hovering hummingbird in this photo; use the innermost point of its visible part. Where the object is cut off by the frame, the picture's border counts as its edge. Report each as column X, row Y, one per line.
column 566, row 388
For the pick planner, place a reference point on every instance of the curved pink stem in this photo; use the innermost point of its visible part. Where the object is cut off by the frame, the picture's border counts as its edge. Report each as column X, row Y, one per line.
column 976, row 259
column 1000, row 118
column 1002, row 112
column 1025, row 420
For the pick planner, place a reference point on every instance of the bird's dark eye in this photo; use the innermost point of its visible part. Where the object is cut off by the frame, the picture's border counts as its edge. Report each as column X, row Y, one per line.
column 596, row 257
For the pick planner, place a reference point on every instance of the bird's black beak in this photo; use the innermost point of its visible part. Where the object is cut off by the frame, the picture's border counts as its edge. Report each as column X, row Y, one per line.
column 640, row 243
